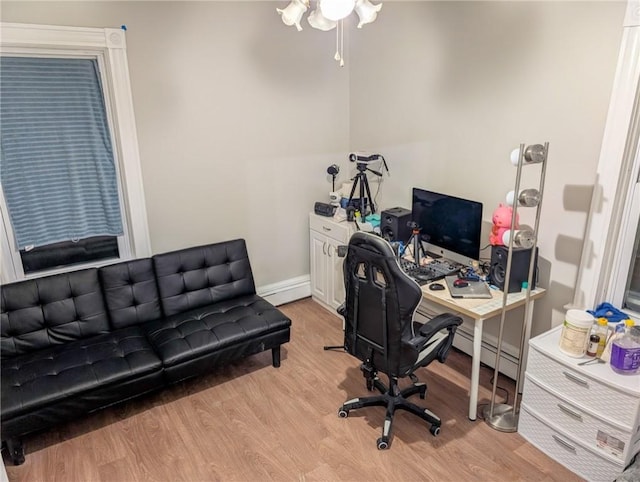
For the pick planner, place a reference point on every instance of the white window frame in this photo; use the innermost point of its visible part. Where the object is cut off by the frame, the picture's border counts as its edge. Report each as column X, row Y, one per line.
column 615, row 206
column 108, row 46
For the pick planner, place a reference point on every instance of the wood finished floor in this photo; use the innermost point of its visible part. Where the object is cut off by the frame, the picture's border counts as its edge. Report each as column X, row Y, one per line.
column 249, row 421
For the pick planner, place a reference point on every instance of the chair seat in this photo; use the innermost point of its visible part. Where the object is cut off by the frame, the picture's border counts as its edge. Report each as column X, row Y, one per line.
column 44, row 378
column 189, row 335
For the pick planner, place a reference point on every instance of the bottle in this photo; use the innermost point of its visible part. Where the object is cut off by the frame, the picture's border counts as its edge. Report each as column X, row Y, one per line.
column 594, row 341
column 602, row 330
column 618, row 331
column 625, row 352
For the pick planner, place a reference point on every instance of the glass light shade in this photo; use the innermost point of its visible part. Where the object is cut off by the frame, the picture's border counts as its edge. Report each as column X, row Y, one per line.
column 522, row 238
column 292, row 13
column 526, row 197
column 367, row 11
column 532, row 155
column 336, row 9
column 317, row 20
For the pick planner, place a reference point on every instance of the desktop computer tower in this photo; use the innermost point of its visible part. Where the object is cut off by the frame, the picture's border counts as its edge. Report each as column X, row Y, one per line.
column 394, row 224
column 520, row 262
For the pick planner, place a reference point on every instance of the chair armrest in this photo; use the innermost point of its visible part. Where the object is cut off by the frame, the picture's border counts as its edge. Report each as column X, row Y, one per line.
column 445, row 321
column 434, row 325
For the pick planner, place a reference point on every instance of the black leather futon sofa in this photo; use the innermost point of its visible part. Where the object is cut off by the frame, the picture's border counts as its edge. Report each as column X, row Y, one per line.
column 76, row 342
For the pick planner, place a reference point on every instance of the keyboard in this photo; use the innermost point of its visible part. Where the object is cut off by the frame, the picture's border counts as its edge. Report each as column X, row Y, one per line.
column 433, row 271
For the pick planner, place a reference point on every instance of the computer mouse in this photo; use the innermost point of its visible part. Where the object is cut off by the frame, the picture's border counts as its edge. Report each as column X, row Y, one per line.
column 436, row 287
column 460, row 283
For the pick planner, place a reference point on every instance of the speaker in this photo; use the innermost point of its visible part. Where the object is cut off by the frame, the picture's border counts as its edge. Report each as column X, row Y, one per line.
column 393, row 224
column 520, row 261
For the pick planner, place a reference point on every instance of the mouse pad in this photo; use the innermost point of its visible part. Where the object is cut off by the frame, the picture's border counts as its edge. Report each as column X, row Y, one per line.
column 475, row 289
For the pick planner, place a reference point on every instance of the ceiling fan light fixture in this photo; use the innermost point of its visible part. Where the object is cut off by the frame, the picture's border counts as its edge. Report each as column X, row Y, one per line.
column 367, row 12
column 336, row 9
column 292, row 13
column 320, row 22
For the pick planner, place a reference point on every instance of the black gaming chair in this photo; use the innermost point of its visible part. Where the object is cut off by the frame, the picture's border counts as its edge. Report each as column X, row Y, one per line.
column 379, row 330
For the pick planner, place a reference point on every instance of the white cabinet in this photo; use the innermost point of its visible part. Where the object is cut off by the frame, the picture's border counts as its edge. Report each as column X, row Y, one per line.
column 327, row 283
column 585, row 417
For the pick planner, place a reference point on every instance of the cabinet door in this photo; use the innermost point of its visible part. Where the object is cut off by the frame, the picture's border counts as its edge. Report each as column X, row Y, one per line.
column 336, row 276
column 318, row 260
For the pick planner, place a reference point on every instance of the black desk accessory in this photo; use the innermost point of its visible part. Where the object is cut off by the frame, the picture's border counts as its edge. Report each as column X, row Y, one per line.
column 324, row 209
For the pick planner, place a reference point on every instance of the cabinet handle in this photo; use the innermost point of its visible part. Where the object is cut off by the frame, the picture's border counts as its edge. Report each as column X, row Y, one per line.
column 566, row 445
column 570, row 412
column 326, row 228
column 576, row 379
column 329, row 250
column 324, row 248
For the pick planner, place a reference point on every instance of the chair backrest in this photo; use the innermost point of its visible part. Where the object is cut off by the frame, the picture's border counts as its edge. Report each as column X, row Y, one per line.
column 379, row 307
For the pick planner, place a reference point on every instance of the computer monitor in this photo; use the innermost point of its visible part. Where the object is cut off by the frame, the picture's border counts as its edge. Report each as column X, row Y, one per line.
column 449, row 226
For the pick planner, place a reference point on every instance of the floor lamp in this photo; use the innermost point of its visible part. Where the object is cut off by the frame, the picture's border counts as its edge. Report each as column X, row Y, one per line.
column 504, row 417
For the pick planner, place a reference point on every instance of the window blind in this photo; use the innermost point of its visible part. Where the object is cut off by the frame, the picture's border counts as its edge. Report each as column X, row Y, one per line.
column 56, row 159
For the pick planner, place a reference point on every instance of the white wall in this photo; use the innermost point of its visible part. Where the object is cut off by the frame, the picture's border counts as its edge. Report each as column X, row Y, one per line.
column 238, row 116
column 449, row 94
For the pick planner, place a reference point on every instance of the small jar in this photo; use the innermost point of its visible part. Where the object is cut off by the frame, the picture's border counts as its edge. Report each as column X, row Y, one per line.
column 594, row 341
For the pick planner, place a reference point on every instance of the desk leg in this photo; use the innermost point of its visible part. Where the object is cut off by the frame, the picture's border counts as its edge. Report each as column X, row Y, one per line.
column 475, row 368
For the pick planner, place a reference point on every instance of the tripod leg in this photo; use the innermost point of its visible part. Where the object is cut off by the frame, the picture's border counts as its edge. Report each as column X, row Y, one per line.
column 353, row 188
column 363, row 206
column 366, row 185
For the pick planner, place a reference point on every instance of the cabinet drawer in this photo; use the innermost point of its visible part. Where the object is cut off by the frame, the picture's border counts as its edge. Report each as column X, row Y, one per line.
column 562, row 448
column 572, row 384
column 341, row 232
column 571, row 418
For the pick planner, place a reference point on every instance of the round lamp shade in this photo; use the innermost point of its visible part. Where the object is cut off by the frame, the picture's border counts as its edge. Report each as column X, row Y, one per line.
column 336, row 9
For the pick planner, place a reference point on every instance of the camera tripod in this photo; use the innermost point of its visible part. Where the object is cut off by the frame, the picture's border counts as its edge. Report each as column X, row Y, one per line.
column 418, row 249
column 364, row 186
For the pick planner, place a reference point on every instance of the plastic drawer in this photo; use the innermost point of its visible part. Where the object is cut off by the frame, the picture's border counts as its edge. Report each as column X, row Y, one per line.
column 566, row 451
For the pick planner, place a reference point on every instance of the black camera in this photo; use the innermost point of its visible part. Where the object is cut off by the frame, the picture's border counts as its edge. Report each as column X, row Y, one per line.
column 353, row 157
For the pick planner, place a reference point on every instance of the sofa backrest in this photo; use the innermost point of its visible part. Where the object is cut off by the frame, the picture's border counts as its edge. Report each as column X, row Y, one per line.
column 195, row 277
column 130, row 292
column 43, row 312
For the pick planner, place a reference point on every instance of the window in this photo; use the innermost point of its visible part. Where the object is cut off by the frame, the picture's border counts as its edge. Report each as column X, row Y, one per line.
column 609, row 269
column 125, row 234
column 57, row 167
column 625, row 283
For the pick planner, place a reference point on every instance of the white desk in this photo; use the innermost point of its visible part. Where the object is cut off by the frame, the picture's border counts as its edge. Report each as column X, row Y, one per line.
column 479, row 310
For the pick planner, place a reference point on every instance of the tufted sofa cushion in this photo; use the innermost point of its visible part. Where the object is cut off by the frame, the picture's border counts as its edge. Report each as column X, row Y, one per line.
column 42, row 378
column 203, row 330
column 45, row 312
column 196, row 277
column 130, row 292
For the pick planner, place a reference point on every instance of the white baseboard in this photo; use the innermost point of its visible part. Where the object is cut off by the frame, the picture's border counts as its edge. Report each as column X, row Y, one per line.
column 286, row 291
column 508, row 356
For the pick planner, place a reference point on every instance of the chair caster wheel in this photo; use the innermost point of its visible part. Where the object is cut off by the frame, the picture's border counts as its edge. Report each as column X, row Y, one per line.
column 423, row 393
column 342, row 413
column 435, row 430
column 383, row 443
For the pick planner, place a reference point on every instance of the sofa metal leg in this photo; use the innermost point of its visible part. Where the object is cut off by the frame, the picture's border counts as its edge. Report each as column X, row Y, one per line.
column 15, row 448
column 275, row 356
